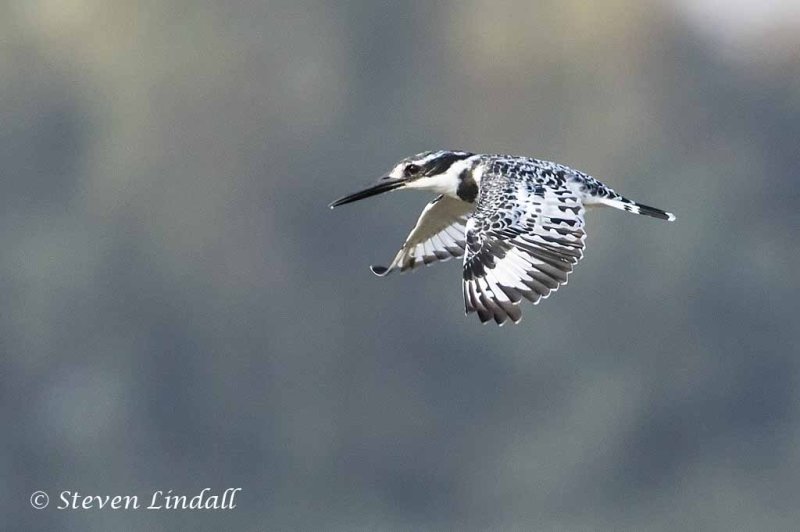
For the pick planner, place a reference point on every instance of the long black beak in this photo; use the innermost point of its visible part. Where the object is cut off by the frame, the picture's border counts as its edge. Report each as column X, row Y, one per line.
column 384, row 185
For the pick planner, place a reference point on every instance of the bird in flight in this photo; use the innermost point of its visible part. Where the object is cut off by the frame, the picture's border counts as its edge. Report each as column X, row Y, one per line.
column 517, row 221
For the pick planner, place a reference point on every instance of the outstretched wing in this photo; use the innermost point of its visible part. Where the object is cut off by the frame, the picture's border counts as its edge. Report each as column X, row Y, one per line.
column 522, row 242
column 438, row 236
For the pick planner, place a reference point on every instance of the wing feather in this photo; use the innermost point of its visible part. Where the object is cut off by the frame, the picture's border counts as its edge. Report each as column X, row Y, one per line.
column 522, row 242
column 438, row 236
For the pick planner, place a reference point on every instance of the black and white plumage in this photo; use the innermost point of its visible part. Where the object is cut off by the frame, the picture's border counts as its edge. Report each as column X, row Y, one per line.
column 518, row 222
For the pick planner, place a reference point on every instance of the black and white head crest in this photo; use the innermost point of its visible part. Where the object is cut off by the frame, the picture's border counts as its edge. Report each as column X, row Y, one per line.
column 428, row 164
column 444, row 172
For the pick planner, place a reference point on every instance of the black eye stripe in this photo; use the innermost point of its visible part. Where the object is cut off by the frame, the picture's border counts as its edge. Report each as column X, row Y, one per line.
column 412, row 169
column 439, row 165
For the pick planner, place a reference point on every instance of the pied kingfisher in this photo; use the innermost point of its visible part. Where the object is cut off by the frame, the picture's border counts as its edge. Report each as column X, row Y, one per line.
column 518, row 222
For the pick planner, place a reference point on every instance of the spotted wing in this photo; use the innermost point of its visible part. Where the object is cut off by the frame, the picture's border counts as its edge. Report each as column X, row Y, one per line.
column 438, row 236
column 522, row 242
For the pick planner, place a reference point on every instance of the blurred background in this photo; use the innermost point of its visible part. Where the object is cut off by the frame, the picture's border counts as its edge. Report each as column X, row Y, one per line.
column 181, row 310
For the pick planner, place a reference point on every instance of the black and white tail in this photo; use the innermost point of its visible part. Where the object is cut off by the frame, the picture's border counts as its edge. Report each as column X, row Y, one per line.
column 624, row 204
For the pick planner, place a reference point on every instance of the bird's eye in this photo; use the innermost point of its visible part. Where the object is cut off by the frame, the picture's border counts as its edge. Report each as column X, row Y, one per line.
column 413, row 169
